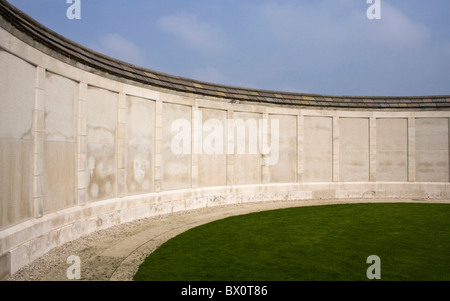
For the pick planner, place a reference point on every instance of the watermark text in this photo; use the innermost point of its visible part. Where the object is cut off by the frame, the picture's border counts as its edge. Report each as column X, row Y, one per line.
column 374, row 10
column 374, row 271
column 74, row 271
column 74, row 10
column 250, row 136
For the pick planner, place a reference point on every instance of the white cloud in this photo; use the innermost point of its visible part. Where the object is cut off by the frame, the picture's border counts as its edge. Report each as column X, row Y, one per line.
column 342, row 22
column 333, row 46
column 397, row 30
column 194, row 33
column 116, row 46
column 312, row 36
column 303, row 22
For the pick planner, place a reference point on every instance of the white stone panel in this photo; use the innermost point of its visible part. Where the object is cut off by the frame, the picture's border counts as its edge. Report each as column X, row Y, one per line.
column 140, row 147
column 354, row 149
column 60, row 174
column 176, row 166
column 247, row 166
column 212, row 165
column 318, row 149
column 101, row 143
column 17, row 97
column 284, row 168
column 432, row 157
column 392, row 149
column 16, row 148
column 61, row 106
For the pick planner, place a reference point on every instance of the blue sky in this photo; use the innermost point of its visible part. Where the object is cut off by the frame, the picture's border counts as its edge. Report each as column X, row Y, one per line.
column 321, row 46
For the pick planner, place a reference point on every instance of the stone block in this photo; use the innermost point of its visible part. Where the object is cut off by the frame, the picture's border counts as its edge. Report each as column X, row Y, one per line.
column 65, row 234
column 160, row 209
column 300, row 195
column 178, row 206
column 5, row 265
column 127, row 215
column 323, row 194
column 20, row 256
column 196, row 203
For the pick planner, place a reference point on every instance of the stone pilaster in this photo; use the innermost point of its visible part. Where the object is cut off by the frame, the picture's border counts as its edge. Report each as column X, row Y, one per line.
column 300, row 147
column 411, row 149
column 82, row 164
column 196, row 146
column 121, row 145
column 230, row 152
column 265, row 169
column 158, row 145
column 38, row 142
column 373, row 149
column 336, row 149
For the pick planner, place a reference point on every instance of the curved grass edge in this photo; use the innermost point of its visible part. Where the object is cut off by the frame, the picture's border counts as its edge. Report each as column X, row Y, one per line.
column 412, row 241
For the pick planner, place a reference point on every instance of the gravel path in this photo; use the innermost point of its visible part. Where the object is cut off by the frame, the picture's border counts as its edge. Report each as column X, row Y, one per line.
column 116, row 253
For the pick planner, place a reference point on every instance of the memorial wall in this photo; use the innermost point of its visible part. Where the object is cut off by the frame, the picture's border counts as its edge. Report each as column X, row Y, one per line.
column 88, row 142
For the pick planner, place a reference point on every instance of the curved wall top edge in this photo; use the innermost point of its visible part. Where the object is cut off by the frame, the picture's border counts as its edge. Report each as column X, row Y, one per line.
column 32, row 33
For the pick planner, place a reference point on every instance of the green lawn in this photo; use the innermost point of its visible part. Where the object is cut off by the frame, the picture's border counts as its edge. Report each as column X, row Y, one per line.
column 310, row 243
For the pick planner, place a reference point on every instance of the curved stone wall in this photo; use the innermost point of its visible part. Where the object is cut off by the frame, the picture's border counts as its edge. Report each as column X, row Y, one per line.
column 88, row 142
